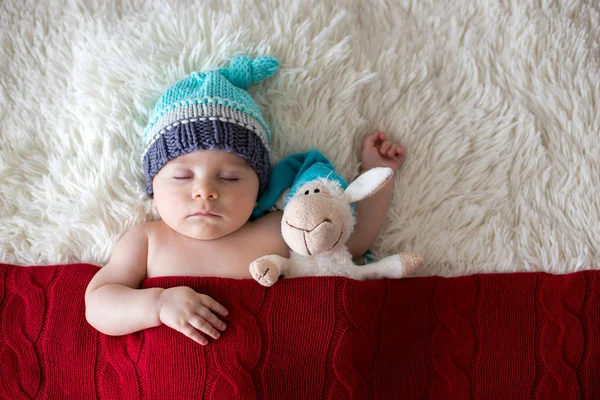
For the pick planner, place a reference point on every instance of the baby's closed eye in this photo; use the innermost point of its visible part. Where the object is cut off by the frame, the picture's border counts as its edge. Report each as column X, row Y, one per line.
column 181, row 173
column 189, row 175
column 229, row 178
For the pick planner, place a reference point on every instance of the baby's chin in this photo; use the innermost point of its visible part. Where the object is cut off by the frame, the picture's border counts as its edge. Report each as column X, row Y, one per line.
column 207, row 231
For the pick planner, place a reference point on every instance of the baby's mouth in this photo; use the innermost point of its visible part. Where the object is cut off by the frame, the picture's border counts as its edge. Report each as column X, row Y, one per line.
column 205, row 214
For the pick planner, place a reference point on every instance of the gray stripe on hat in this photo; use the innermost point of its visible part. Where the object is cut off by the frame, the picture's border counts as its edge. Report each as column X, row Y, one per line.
column 191, row 112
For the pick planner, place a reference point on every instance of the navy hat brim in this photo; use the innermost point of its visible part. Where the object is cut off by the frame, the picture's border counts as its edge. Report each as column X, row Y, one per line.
column 207, row 135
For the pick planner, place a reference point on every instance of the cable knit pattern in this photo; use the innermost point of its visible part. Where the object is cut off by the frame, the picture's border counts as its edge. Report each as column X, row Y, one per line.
column 561, row 338
column 513, row 336
column 453, row 340
column 362, row 330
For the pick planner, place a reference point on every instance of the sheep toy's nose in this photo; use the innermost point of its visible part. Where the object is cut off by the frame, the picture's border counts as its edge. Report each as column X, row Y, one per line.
column 307, row 212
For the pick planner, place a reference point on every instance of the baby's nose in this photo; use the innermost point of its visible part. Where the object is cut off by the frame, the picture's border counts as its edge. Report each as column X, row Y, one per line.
column 205, row 191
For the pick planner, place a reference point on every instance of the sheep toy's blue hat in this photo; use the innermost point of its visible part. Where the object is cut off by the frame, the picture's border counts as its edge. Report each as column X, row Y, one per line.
column 211, row 111
column 319, row 170
column 293, row 172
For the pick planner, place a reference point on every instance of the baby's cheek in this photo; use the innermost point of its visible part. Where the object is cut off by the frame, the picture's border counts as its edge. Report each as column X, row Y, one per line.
column 244, row 203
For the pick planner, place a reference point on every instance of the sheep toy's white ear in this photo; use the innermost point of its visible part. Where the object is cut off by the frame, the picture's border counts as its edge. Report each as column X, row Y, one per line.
column 368, row 183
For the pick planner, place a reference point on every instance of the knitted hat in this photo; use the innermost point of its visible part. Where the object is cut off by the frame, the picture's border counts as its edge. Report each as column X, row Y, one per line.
column 211, row 111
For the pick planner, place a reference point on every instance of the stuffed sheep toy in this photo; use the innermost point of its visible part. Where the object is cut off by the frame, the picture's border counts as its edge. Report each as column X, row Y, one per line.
column 317, row 221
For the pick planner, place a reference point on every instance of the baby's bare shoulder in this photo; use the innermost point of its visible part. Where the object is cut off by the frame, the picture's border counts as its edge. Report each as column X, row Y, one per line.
column 268, row 223
column 156, row 230
column 267, row 230
column 127, row 264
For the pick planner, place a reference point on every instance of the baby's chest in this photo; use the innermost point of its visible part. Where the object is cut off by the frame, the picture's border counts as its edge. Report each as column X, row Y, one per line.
column 226, row 258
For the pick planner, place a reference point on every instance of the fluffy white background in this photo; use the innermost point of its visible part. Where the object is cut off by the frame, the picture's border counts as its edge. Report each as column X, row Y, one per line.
column 496, row 102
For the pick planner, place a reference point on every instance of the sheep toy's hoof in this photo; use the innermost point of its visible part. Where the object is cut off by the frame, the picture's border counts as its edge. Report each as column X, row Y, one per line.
column 411, row 262
column 264, row 271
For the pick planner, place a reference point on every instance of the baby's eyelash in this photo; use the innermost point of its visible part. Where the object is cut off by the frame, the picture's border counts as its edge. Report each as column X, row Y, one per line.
column 190, row 177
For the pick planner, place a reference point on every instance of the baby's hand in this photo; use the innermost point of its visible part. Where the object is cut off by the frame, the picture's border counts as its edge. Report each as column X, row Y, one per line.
column 377, row 151
column 190, row 312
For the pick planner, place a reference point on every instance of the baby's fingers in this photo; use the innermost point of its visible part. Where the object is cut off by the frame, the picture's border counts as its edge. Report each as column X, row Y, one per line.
column 385, row 147
column 394, row 150
column 212, row 319
column 372, row 139
column 209, row 302
column 193, row 334
column 202, row 325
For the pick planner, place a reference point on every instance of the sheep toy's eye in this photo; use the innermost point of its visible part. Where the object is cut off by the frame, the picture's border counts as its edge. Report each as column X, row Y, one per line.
column 317, row 190
column 307, row 192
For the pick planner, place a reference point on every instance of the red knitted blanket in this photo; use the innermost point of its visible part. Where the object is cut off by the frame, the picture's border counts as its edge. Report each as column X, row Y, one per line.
column 514, row 336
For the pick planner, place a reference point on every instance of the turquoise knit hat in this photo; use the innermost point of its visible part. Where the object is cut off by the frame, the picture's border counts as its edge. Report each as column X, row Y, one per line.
column 211, row 111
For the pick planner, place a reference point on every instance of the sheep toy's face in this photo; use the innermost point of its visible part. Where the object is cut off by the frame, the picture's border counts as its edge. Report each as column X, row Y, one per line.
column 317, row 219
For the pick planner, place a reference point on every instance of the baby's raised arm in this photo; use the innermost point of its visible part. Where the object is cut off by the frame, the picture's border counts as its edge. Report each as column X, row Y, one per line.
column 115, row 304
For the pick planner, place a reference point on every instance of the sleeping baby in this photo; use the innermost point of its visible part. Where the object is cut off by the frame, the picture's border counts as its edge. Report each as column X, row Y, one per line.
column 206, row 162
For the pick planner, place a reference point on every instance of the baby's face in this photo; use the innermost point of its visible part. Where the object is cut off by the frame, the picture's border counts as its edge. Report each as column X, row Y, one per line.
column 206, row 194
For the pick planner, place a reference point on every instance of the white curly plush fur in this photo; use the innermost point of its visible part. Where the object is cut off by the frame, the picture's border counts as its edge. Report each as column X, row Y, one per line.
column 497, row 103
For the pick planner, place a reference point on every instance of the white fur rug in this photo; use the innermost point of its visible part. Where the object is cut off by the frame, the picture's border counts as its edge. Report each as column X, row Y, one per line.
column 497, row 103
